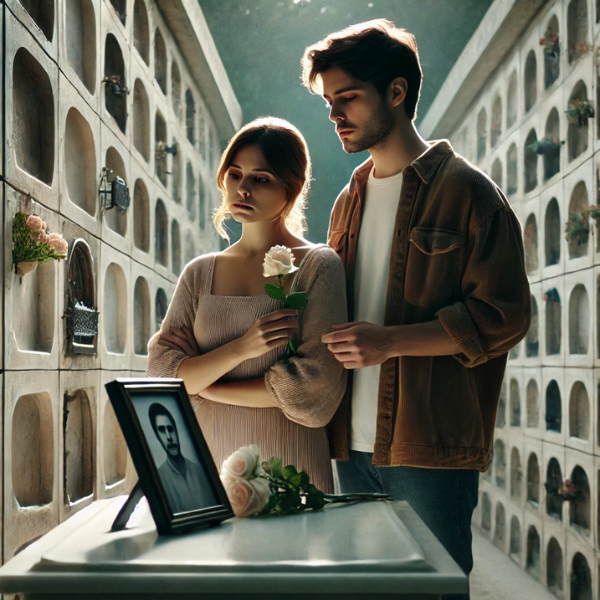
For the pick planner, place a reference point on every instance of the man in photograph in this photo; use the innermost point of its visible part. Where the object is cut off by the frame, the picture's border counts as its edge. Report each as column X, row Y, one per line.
column 436, row 286
column 185, row 483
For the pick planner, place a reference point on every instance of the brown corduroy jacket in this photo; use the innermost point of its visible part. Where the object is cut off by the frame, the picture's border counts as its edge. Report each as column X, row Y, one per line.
column 457, row 256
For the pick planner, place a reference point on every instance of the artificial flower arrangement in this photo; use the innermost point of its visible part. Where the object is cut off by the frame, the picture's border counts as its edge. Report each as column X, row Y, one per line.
column 546, row 145
column 580, row 111
column 577, row 227
column 33, row 245
column 257, row 488
column 279, row 262
column 551, row 45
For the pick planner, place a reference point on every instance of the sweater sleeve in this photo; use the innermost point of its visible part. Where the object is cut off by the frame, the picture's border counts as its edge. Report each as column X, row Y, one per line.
column 163, row 361
column 309, row 386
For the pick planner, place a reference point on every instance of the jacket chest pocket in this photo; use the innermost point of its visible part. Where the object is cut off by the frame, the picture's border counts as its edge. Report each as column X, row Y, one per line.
column 433, row 269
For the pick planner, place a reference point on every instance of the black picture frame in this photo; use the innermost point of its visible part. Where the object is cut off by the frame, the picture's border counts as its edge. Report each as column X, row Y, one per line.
column 202, row 500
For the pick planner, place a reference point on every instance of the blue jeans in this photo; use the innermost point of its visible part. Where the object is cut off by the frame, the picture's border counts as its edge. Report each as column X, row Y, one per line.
column 443, row 498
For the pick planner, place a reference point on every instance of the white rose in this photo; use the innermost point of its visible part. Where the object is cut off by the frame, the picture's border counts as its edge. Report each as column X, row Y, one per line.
column 279, row 260
column 247, row 497
column 244, row 463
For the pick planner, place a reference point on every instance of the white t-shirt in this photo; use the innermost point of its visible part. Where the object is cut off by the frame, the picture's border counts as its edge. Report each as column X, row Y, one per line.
column 370, row 289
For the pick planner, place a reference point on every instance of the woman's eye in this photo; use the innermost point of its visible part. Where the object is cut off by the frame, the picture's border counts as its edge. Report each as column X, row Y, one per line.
column 233, row 176
column 261, row 179
column 349, row 99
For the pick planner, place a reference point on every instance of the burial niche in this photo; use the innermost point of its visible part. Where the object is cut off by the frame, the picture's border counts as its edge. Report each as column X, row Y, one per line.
column 516, row 474
column 579, row 317
column 532, row 565
column 176, row 176
column 515, row 404
column 115, row 89
column 554, row 567
column 581, row 579
column 497, row 172
column 553, row 324
column 120, row 7
column 500, row 464
column 202, row 205
column 579, row 412
column 579, row 506
column 141, row 120
column 189, row 250
column 530, row 81
column 500, row 530
column 552, row 233
column 481, row 133
column 515, row 539
column 554, row 482
column 42, row 13
column 114, row 448
column 160, row 61
column 486, row 512
column 116, row 219
column 551, row 53
column 160, row 147
column 175, row 89
column 578, row 225
column 501, row 414
column 190, row 117
column 530, row 161
column 160, row 307
column 32, row 452
column 531, row 339
column 577, row 29
column 553, row 407
column 496, row 121
column 190, row 191
column 512, row 180
column 533, row 480
column 33, row 117
column 532, row 404
column 141, row 34
column 141, row 316
column 578, row 132
column 78, row 446
column 141, row 216
column 175, row 248
column 81, row 41
column 511, row 101
column 551, row 145
column 115, row 309
column 161, row 233
column 530, row 243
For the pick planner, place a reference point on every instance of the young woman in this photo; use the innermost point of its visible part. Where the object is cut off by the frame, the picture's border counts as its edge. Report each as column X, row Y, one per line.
column 228, row 340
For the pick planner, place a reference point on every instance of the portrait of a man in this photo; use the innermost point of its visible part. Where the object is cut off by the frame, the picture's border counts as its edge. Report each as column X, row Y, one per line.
column 185, row 483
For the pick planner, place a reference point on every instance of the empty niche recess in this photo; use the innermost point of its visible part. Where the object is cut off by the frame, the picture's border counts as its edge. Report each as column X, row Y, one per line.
column 32, row 455
column 552, row 145
column 532, row 404
column 515, row 403
column 34, row 309
column 530, row 243
column 175, row 89
column 532, row 565
column 80, row 162
column 553, row 324
column 82, row 293
column 530, row 161
column 530, row 81
column 161, row 234
column 120, row 7
column 500, row 464
column 486, row 512
column 516, row 474
column 580, row 509
column 141, row 120
column 515, row 539
column 189, row 251
column 554, row 482
column 551, row 57
column 141, row 30
column 190, row 191
column 501, row 414
column 496, row 123
column 481, row 133
column 115, row 309
column 42, row 13
column 581, row 579
column 160, row 61
column 115, row 96
column 114, row 448
column 175, row 248
column 33, row 117
column 552, row 233
column 176, row 176
column 578, row 132
column 141, row 316
column 160, row 143
column 554, row 567
column 500, row 530
column 531, row 339
column 577, row 28
column 579, row 317
column 78, row 446
column 579, row 412
column 141, row 216
column 553, row 407
column 497, row 173
column 511, row 101
column 512, row 180
column 160, row 307
column 533, row 480
column 81, row 41
column 190, row 117
column 116, row 219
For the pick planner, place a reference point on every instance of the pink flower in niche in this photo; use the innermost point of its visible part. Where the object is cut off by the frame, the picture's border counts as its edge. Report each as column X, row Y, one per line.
column 36, row 224
column 247, row 497
column 57, row 243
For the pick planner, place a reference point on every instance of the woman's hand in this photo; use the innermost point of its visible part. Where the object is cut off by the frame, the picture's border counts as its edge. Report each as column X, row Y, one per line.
column 182, row 339
column 268, row 332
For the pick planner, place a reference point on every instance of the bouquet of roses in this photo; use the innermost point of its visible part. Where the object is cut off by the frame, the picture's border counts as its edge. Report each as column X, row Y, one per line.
column 260, row 488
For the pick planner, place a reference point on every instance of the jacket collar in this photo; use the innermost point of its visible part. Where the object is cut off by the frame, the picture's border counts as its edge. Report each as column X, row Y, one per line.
column 425, row 165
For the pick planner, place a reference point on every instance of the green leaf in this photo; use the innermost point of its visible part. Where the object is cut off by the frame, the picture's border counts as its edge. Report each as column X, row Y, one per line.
column 284, row 505
column 275, row 465
column 315, row 498
column 304, row 480
column 297, row 300
column 296, row 480
column 289, row 471
column 295, row 500
column 272, row 502
column 273, row 291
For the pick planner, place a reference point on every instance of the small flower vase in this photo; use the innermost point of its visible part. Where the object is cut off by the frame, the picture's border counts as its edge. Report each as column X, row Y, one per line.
column 25, row 266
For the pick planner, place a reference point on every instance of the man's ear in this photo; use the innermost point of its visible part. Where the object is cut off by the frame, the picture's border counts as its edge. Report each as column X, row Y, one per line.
column 398, row 90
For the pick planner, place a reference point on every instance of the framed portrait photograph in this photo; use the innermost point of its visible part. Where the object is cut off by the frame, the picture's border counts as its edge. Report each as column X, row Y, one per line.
column 175, row 468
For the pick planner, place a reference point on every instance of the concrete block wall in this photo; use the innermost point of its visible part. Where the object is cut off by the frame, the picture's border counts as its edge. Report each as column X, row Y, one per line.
column 548, row 427
column 64, row 124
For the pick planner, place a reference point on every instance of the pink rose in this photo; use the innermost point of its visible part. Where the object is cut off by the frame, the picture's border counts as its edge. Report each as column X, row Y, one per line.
column 36, row 224
column 244, row 463
column 57, row 243
column 247, row 497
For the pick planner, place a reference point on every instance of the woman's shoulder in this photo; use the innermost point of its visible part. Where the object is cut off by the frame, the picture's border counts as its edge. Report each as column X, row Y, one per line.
column 198, row 268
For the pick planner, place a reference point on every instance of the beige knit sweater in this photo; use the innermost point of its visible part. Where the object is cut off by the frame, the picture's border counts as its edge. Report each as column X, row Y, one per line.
column 307, row 388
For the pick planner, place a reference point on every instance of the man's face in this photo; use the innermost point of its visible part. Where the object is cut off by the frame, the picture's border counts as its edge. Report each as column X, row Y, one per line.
column 362, row 118
column 167, row 434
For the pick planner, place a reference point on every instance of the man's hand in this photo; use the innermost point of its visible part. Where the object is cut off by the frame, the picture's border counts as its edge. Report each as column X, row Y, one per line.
column 359, row 344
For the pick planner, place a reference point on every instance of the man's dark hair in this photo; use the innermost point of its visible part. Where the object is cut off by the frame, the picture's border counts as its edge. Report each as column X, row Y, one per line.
column 375, row 51
column 157, row 409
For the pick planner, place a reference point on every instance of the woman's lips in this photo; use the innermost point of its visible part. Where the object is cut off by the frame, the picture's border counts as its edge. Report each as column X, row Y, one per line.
column 244, row 206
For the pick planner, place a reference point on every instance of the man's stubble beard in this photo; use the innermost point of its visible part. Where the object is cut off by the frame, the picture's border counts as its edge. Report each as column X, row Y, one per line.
column 375, row 132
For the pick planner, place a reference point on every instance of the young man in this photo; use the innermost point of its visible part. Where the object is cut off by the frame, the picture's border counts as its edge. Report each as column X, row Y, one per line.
column 436, row 285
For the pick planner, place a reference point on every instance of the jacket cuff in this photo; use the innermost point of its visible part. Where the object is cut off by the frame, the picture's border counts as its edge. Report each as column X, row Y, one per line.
column 459, row 325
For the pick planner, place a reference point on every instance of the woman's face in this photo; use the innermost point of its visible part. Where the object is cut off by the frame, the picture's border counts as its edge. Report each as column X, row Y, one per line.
column 253, row 193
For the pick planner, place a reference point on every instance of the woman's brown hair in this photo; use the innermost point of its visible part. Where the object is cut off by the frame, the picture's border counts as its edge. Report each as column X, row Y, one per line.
column 375, row 51
column 286, row 153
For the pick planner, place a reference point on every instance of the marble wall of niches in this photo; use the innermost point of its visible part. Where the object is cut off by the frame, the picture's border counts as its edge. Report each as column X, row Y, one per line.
column 547, row 163
column 91, row 86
